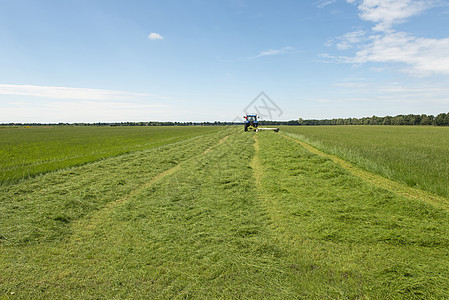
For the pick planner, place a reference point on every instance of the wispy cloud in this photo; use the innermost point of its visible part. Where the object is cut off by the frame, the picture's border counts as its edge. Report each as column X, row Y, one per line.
column 421, row 91
column 155, row 36
column 271, row 52
column 67, row 104
column 324, row 3
column 275, row 51
column 386, row 13
column 347, row 41
column 54, row 92
column 55, row 111
column 422, row 56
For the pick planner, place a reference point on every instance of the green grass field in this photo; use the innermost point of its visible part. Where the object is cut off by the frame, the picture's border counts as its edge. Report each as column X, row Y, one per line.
column 225, row 214
column 26, row 152
column 414, row 155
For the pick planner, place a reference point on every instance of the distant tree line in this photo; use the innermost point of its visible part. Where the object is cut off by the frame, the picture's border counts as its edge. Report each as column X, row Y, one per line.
column 440, row 120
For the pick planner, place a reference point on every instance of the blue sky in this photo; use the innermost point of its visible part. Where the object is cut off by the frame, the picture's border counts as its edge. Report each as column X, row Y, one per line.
column 206, row 60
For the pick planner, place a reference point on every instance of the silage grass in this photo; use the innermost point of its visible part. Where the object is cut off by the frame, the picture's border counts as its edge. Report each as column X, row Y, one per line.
column 239, row 221
column 417, row 156
column 42, row 209
column 27, row 152
column 363, row 241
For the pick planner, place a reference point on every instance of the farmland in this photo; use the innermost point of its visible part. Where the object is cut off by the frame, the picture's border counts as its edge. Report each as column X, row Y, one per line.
column 414, row 155
column 26, row 152
column 219, row 214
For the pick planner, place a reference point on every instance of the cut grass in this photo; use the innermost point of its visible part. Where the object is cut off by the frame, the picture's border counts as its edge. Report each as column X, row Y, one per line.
column 364, row 241
column 26, row 152
column 380, row 181
column 241, row 217
column 414, row 155
column 43, row 208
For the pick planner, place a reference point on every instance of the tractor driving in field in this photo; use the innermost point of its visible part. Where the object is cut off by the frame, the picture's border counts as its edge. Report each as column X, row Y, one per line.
column 251, row 123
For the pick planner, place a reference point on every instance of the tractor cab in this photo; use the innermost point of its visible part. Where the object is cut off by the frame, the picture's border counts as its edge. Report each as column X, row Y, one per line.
column 251, row 122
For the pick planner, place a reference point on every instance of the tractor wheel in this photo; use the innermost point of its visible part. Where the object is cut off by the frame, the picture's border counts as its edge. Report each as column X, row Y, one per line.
column 246, row 127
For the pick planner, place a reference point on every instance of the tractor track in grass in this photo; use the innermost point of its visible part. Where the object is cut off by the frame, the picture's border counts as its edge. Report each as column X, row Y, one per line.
column 85, row 226
column 258, row 173
column 270, row 204
column 378, row 180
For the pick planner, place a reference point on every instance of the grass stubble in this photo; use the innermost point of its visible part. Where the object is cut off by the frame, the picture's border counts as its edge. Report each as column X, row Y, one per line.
column 257, row 216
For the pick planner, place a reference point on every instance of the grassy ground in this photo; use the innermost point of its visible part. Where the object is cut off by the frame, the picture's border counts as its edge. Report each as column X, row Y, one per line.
column 414, row 155
column 218, row 216
column 358, row 240
column 26, row 152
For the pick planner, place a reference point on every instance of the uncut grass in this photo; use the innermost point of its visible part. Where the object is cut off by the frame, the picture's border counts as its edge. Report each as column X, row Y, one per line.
column 42, row 209
column 26, row 152
column 415, row 155
column 366, row 241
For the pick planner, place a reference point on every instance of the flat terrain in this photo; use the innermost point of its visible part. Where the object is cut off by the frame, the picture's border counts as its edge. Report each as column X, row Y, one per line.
column 26, row 152
column 417, row 156
column 222, row 214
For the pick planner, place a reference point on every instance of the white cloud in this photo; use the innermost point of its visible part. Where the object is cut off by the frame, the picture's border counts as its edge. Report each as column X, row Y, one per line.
column 420, row 92
column 329, row 43
column 55, row 111
column 270, row 52
column 324, row 3
column 386, row 13
column 423, row 56
column 68, row 92
column 155, row 36
column 347, row 40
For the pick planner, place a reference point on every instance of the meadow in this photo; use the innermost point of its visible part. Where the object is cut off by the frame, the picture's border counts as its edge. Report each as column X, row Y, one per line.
column 26, row 152
column 417, row 156
column 226, row 214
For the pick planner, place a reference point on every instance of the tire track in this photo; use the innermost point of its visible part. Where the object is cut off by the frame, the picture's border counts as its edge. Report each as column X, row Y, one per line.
column 378, row 180
column 268, row 203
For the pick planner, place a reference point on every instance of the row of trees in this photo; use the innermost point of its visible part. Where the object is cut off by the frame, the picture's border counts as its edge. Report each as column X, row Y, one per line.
column 440, row 120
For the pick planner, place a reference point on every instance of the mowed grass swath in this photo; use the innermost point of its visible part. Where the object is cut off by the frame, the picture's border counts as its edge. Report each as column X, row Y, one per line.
column 42, row 209
column 226, row 214
column 414, row 155
column 27, row 152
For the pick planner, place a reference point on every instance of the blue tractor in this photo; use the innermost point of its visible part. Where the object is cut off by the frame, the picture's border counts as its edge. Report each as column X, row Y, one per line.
column 251, row 122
